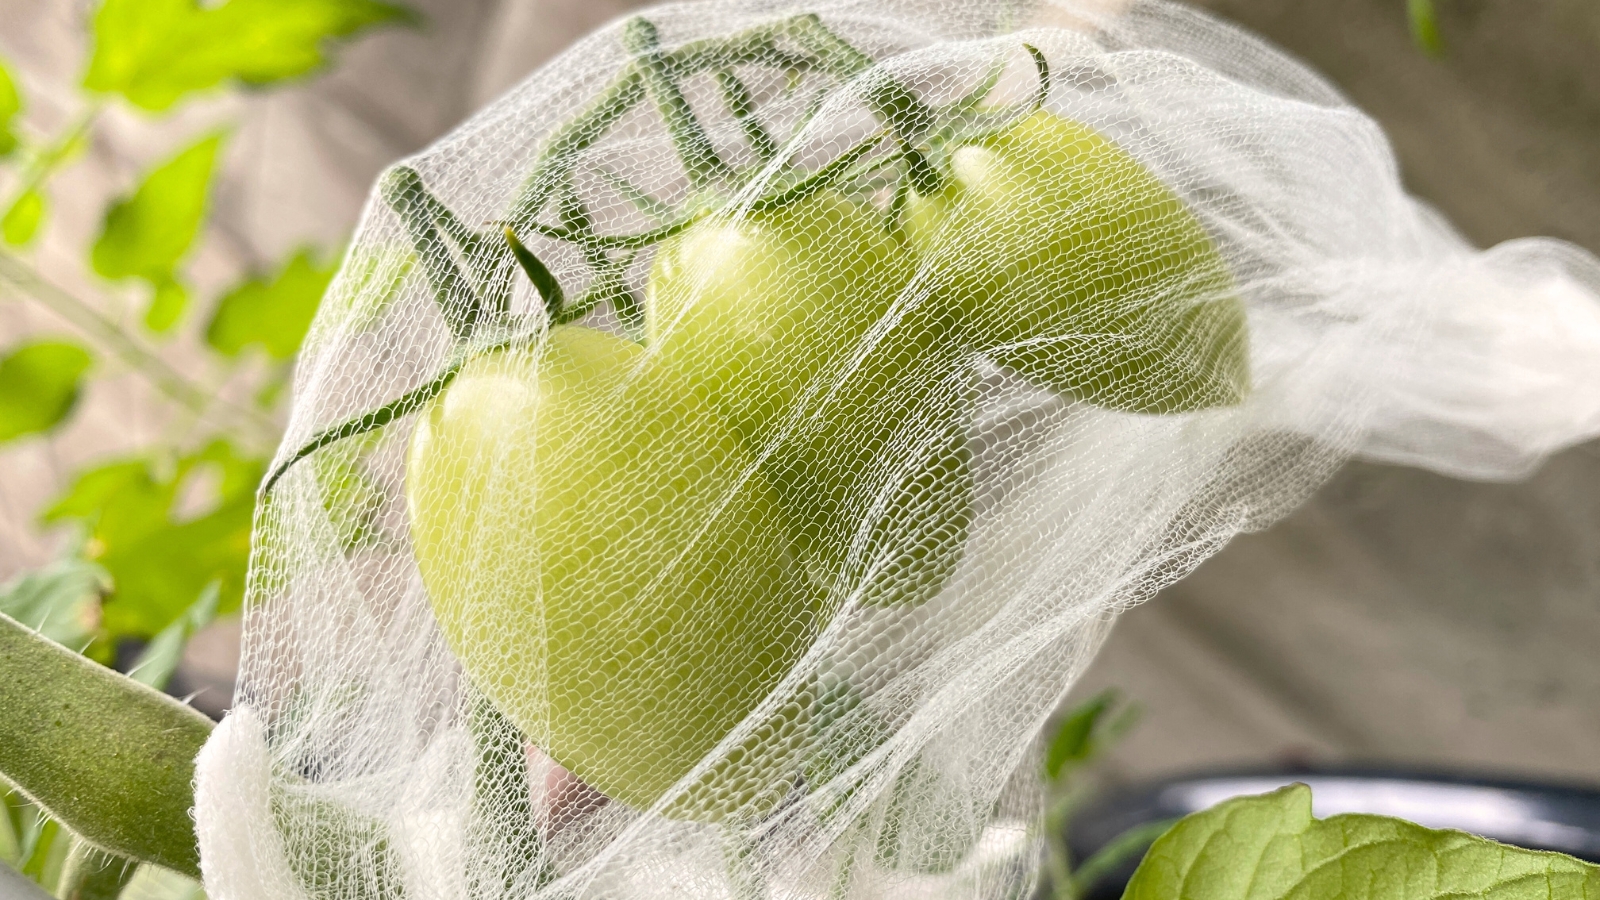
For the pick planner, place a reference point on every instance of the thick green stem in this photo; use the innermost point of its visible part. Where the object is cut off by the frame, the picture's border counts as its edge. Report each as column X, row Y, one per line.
column 899, row 108
column 610, row 280
column 694, row 147
column 105, row 756
column 112, row 338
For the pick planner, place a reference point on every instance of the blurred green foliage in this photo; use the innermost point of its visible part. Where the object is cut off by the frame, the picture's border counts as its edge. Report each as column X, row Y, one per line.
column 39, row 385
column 271, row 312
column 156, row 540
column 147, row 233
column 160, row 559
column 155, row 52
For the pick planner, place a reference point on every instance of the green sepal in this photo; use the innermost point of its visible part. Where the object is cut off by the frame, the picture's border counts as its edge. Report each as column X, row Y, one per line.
column 543, row 281
column 109, row 758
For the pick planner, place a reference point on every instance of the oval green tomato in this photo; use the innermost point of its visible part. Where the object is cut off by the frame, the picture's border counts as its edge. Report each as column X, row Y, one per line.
column 608, row 566
column 800, row 327
column 1082, row 272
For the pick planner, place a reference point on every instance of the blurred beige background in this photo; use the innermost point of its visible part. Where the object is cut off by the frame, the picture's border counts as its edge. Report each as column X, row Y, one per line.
column 1399, row 617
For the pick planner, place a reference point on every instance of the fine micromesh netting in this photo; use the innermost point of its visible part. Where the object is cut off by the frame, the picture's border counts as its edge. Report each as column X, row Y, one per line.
column 717, row 458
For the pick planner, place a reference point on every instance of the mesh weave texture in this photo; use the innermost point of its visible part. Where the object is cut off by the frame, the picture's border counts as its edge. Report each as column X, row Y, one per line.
column 717, row 458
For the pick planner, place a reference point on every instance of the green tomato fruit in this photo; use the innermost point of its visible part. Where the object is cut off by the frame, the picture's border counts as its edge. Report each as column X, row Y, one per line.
column 787, row 324
column 610, row 568
column 1081, row 271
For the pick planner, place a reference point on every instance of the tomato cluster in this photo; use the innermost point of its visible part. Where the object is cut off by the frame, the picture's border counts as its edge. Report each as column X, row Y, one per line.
column 629, row 547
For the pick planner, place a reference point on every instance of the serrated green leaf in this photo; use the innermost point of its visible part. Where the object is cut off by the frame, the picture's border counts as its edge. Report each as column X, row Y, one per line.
column 10, row 105
column 1269, row 847
column 39, row 386
column 106, row 756
column 148, row 232
column 273, row 313
column 60, row 601
column 159, row 559
column 21, row 222
column 154, row 52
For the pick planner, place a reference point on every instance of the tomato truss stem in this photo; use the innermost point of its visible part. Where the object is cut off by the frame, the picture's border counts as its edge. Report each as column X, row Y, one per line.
column 470, row 271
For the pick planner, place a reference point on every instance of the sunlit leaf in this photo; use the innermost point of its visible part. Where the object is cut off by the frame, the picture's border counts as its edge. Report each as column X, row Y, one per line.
column 10, row 105
column 21, row 222
column 154, row 52
column 159, row 558
column 39, row 386
column 146, row 233
column 273, row 313
column 1269, row 847
column 60, row 601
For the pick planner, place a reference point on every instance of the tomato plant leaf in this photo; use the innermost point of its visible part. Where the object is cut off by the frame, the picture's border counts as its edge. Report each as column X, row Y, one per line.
column 21, row 222
column 161, row 656
column 10, row 105
column 39, row 385
column 155, row 52
column 159, row 556
column 60, row 601
column 61, row 718
column 146, row 233
column 1268, row 847
column 271, row 312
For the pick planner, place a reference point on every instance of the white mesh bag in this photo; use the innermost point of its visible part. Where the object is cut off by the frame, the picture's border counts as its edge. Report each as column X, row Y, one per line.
column 718, row 457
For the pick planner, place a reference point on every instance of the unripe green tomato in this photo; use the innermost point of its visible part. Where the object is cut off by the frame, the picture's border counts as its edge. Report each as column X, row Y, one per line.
column 1081, row 271
column 786, row 323
column 608, row 566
